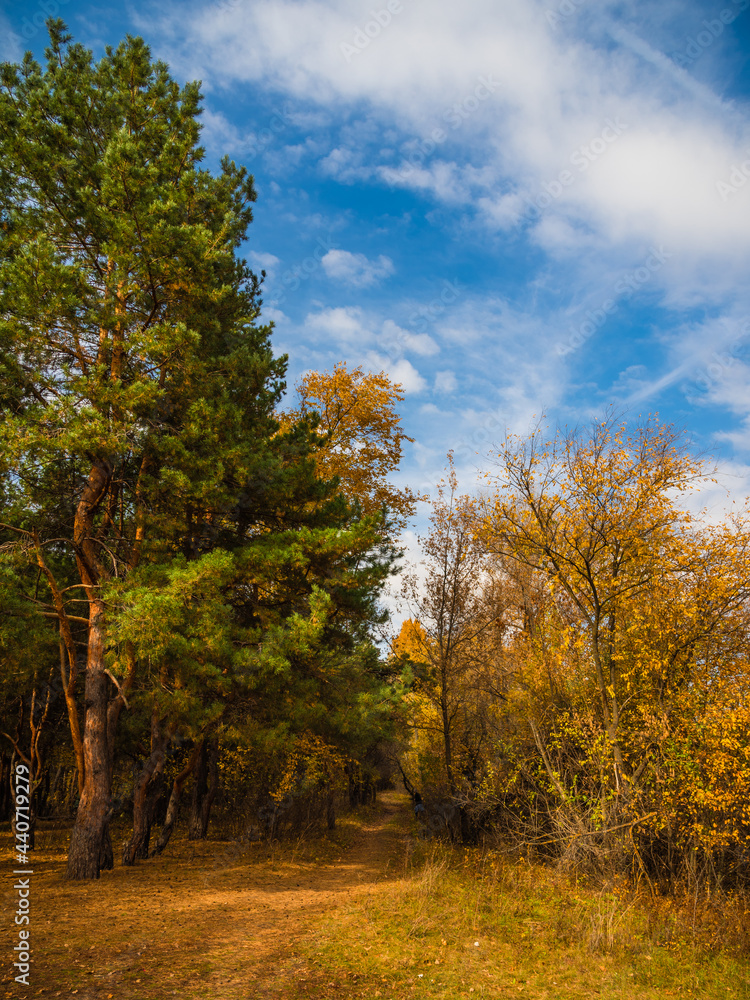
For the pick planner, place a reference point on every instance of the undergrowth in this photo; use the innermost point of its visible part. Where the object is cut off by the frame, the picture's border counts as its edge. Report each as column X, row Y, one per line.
column 410, row 918
column 472, row 922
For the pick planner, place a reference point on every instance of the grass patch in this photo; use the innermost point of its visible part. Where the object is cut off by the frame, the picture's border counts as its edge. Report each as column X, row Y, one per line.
column 469, row 923
column 366, row 911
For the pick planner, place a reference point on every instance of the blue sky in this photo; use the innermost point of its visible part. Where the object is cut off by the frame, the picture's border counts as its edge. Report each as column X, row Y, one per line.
column 514, row 207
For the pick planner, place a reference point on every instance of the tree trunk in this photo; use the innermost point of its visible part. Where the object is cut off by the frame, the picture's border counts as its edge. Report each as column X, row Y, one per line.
column 331, row 809
column 137, row 846
column 448, row 748
column 89, row 847
column 468, row 833
column 205, row 785
column 174, row 802
column 106, row 854
column 5, row 796
column 361, row 786
column 43, row 793
column 71, row 789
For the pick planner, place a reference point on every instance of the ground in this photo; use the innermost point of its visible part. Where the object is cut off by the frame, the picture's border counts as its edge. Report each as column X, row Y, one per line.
column 370, row 911
column 205, row 919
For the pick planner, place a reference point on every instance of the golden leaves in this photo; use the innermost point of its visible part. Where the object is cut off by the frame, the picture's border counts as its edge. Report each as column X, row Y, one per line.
column 360, row 437
column 645, row 633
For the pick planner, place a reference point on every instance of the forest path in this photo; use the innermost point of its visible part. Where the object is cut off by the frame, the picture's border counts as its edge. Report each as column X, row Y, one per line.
column 208, row 919
column 274, row 910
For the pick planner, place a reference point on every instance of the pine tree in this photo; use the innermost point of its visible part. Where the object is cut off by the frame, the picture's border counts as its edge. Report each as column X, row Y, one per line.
column 138, row 390
column 152, row 511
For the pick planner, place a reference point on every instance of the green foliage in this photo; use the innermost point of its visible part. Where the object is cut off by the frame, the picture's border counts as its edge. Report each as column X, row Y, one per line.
column 153, row 514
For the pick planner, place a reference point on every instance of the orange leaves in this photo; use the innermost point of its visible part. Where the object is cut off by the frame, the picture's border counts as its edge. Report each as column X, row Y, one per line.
column 360, row 437
column 598, row 516
column 709, row 788
column 411, row 641
column 635, row 649
column 310, row 763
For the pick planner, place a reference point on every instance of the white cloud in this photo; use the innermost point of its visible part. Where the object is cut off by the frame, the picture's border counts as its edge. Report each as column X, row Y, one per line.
column 504, row 210
column 441, row 178
column 263, row 261
column 344, row 324
column 397, row 340
column 11, row 44
column 345, row 165
column 217, row 132
column 400, row 371
column 547, row 94
column 355, row 269
column 704, row 362
column 723, row 494
column 667, row 66
column 270, row 314
column 553, row 96
column 351, row 327
column 445, row 382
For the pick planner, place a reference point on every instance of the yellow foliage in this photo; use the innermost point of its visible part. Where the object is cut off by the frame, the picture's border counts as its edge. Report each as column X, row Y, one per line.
column 311, row 763
column 411, row 641
column 361, row 440
column 632, row 654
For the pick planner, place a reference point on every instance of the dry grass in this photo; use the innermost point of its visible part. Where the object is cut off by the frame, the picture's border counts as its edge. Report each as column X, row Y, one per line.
column 368, row 912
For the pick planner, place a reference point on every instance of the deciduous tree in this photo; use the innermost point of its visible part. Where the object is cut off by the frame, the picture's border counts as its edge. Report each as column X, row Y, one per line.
column 360, row 438
column 458, row 623
column 644, row 629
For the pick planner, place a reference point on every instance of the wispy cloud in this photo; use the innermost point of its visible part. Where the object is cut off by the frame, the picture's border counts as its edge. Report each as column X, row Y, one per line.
column 355, row 269
column 11, row 43
column 590, row 145
column 263, row 261
column 552, row 91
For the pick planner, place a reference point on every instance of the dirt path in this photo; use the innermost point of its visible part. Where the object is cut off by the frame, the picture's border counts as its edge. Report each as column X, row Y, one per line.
column 274, row 912
column 207, row 919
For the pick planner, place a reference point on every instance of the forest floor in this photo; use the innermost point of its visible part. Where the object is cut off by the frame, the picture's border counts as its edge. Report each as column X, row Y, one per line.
column 371, row 910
